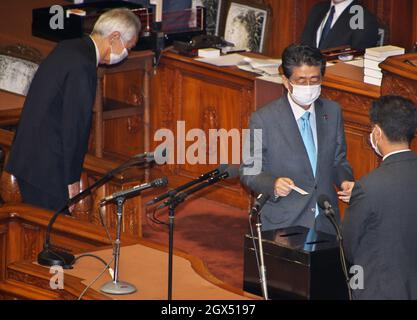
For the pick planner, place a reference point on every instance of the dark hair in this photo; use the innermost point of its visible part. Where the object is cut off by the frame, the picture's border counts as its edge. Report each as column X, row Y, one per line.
column 298, row 55
column 397, row 117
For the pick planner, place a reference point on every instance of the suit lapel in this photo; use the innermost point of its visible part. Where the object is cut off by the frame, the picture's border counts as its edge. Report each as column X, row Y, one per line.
column 289, row 130
column 321, row 123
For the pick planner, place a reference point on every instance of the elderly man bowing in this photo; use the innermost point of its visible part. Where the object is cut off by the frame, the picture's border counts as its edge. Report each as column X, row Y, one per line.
column 52, row 136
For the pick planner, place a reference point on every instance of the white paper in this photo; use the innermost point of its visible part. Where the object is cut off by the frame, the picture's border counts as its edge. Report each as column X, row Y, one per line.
column 357, row 63
column 224, row 61
column 299, row 190
column 261, row 63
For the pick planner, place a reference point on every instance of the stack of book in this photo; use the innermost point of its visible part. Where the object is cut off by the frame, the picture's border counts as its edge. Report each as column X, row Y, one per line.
column 373, row 57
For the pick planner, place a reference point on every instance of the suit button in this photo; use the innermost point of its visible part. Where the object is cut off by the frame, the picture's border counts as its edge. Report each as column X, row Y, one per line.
column 315, row 187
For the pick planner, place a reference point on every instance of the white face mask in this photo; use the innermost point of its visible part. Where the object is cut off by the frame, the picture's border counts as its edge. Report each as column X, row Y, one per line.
column 116, row 58
column 305, row 95
column 375, row 144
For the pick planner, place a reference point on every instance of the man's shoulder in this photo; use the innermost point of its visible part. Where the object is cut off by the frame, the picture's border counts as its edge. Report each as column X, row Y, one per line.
column 73, row 51
column 273, row 106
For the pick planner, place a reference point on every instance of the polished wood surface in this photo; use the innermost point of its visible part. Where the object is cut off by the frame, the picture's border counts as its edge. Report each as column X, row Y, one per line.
column 22, row 230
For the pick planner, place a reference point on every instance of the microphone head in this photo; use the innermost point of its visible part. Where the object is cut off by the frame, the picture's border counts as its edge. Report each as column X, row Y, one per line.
column 222, row 168
column 321, row 201
column 160, row 182
column 232, row 171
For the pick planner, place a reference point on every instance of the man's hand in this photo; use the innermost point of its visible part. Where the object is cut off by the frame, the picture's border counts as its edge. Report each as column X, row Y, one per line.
column 73, row 189
column 346, row 192
column 283, row 186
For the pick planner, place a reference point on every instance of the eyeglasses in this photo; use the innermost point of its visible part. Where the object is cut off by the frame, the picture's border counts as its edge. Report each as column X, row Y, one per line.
column 307, row 81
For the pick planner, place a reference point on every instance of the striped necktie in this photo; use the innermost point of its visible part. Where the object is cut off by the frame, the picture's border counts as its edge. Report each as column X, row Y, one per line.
column 327, row 27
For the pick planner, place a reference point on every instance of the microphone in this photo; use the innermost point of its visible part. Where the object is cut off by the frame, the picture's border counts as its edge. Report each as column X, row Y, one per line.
column 202, row 177
column 229, row 173
column 148, row 156
column 160, row 182
column 260, row 201
column 324, row 203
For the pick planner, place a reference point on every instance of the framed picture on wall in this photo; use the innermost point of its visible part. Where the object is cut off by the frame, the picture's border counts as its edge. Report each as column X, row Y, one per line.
column 212, row 14
column 245, row 23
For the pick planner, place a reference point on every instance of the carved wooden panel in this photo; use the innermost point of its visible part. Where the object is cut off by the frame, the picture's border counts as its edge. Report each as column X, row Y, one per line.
column 393, row 84
column 32, row 242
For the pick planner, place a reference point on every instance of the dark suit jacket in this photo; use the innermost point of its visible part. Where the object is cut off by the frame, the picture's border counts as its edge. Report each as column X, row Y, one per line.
column 341, row 33
column 380, row 229
column 282, row 154
column 52, row 136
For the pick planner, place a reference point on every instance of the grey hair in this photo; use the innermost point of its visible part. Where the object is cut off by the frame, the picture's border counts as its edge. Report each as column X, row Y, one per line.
column 122, row 20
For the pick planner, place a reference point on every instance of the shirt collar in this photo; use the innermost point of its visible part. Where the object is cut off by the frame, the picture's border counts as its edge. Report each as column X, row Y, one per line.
column 395, row 152
column 340, row 7
column 97, row 52
column 299, row 111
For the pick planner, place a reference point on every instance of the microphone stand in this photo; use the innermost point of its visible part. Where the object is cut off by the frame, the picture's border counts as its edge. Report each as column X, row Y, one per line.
column 50, row 257
column 116, row 286
column 262, row 268
column 329, row 214
column 173, row 203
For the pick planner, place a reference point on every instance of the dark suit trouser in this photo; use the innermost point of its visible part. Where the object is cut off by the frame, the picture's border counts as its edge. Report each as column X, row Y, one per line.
column 37, row 197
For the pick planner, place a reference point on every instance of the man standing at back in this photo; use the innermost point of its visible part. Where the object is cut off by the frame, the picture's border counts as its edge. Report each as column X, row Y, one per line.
column 51, row 140
column 380, row 225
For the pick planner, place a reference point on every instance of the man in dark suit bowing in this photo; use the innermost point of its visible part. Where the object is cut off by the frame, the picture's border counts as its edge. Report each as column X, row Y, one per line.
column 51, row 141
column 380, row 225
column 331, row 24
column 297, row 141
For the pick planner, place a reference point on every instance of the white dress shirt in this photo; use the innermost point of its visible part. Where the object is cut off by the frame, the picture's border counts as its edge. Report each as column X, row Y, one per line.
column 299, row 112
column 395, row 152
column 97, row 52
column 339, row 8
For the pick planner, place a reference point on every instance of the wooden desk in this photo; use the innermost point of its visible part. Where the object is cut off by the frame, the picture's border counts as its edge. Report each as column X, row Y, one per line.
column 122, row 107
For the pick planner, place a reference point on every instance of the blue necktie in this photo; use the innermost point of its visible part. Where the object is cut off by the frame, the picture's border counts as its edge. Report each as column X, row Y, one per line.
column 307, row 135
column 327, row 26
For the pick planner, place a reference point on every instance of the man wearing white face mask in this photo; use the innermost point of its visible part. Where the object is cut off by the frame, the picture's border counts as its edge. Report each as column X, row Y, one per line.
column 52, row 137
column 303, row 145
column 379, row 229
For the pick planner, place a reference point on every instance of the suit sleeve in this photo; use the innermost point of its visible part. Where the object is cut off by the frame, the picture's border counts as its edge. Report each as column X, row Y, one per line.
column 355, row 221
column 254, row 155
column 343, row 170
column 79, row 95
column 368, row 36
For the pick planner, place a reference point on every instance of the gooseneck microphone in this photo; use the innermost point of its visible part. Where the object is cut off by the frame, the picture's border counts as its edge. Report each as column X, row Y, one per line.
column 230, row 172
column 50, row 256
column 160, row 182
column 325, row 204
column 201, row 178
column 259, row 203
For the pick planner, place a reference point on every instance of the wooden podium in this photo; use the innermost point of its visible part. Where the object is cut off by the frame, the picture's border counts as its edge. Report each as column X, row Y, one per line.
column 300, row 264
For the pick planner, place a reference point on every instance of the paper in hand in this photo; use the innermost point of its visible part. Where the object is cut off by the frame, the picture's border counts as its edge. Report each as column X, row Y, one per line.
column 299, row 190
